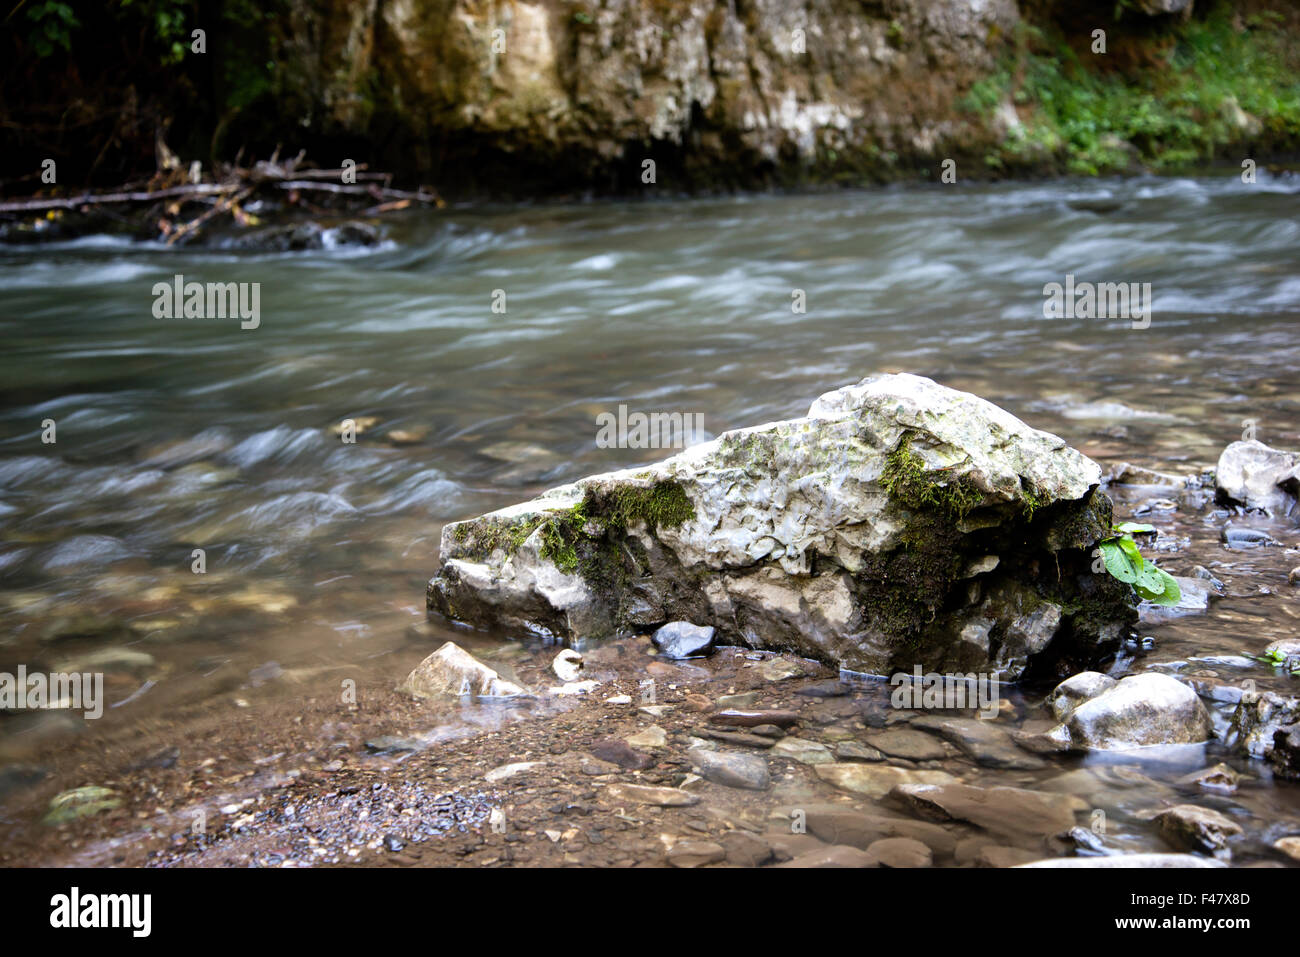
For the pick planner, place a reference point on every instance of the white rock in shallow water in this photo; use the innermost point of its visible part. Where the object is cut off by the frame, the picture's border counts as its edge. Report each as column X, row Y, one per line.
column 1139, row 711
column 681, row 639
column 568, row 664
column 1077, row 689
column 849, row 536
column 451, row 672
column 1253, row 474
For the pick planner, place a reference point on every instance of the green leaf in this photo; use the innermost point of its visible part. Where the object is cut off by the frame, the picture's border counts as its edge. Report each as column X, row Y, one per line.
column 1119, row 564
column 1172, row 593
column 1131, row 550
column 1150, row 584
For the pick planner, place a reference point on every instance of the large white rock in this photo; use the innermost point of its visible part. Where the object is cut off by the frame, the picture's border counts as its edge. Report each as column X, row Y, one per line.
column 899, row 523
column 1136, row 712
column 1253, row 474
column 451, row 672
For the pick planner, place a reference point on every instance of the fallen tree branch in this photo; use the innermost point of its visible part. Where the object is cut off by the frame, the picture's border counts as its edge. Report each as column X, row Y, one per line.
column 103, row 199
column 216, row 210
column 376, row 192
column 267, row 179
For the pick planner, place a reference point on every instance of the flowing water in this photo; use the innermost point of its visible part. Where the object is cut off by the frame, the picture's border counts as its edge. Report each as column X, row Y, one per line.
column 477, row 346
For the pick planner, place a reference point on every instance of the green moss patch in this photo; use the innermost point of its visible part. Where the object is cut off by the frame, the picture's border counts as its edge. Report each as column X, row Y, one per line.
column 906, row 479
column 588, row 536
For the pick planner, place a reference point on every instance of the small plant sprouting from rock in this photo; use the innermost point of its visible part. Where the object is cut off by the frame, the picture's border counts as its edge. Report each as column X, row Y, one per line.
column 1277, row 658
column 1123, row 560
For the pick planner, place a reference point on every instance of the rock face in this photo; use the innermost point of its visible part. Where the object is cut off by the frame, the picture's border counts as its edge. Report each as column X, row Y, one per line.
column 900, row 523
column 714, row 92
column 1139, row 711
column 1251, row 473
column 451, row 672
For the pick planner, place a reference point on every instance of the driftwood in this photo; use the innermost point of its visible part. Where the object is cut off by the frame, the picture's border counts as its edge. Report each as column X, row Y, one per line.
column 222, row 207
column 103, row 199
column 237, row 184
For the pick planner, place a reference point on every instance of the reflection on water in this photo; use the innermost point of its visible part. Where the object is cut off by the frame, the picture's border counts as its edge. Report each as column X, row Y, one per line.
column 177, row 435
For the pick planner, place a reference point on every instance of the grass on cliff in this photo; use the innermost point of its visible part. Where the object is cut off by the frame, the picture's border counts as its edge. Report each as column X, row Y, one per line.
column 1183, row 110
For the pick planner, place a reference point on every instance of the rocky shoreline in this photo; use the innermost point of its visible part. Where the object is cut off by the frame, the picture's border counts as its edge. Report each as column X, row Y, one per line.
column 675, row 747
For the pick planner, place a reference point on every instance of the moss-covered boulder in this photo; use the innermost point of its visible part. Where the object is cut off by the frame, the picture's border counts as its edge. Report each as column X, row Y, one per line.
column 900, row 523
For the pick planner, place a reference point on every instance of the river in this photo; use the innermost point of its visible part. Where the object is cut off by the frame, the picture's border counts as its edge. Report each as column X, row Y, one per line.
column 484, row 341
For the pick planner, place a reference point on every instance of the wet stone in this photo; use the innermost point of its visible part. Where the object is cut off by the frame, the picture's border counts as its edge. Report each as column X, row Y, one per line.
column 696, row 853
column 621, row 754
column 852, row 751
column 833, row 857
column 751, row 719
column 1290, row 846
column 909, row 744
column 824, row 689
column 681, row 639
column 746, row 850
column 780, row 669
column 1193, row 828
column 732, row 769
column 877, row 780
column 1220, row 778
column 743, row 701
column 1235, row 537
column 860, row 829
column 802, row 750
column 900, row 852
column 1012, row 812
column 994, row 855
column 737, row 738
column 982, row 741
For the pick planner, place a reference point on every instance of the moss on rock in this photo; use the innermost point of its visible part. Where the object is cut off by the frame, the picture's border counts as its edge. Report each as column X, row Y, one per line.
column 906, row 478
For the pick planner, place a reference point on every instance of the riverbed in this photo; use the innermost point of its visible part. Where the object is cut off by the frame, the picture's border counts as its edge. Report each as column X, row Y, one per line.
column 476, row 348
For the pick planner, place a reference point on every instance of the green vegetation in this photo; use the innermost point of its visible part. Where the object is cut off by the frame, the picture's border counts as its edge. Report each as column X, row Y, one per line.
column 1212, row 85
column 52, row 26
column 1122, row 560
column 579, row 538
column 1278, row 659
column 486, row 535
column 664, row 504
column 906, row 479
